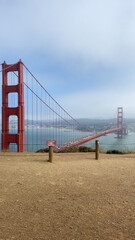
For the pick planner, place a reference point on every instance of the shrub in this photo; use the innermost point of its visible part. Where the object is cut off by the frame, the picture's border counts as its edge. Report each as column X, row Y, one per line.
column 114, row 152
column 42, row 150
column 70, row 150
column 86, row 149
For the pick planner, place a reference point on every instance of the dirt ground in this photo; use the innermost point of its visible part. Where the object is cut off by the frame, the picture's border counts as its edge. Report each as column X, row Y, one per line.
column 74, row 198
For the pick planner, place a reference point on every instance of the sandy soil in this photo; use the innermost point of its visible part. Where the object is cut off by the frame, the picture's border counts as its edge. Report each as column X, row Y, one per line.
column 73, row 198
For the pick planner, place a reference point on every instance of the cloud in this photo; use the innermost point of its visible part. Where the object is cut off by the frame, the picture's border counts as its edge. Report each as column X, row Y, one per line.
column 96, row 31
column 86, row 48
column 99, row 104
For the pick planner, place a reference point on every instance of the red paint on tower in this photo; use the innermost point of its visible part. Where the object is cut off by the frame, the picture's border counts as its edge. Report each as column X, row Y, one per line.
column 7, row 138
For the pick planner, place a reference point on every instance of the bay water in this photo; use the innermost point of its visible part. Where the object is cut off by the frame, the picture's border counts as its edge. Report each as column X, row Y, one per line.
column 35, row 142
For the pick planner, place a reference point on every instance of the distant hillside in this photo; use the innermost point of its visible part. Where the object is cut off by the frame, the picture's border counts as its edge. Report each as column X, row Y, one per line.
column 85, row 124
column 100, row 124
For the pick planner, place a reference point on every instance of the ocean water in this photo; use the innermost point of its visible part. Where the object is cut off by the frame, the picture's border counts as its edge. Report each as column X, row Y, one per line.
column 36, row 139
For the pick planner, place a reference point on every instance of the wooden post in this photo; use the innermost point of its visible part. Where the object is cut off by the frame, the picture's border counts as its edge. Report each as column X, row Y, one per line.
column 51, row 144
column 96, row 149
column 50, row 153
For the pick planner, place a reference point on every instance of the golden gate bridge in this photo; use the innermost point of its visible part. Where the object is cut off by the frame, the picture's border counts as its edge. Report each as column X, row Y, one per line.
column 30, row 114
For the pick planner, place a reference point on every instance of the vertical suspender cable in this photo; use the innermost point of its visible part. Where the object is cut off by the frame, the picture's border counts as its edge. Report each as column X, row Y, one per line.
column 32, row 115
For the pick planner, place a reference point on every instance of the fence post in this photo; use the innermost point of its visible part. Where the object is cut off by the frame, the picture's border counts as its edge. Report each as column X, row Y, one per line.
column 96, row 149
column 50, row 153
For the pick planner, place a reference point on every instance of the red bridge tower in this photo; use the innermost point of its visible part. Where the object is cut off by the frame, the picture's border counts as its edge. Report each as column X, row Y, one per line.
column 6, row 137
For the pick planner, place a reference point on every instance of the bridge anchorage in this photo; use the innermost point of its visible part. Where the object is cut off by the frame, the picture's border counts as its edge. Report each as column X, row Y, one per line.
column 38, row 112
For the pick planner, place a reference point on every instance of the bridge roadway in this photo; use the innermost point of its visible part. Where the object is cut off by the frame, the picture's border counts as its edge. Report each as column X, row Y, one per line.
column 82, row 140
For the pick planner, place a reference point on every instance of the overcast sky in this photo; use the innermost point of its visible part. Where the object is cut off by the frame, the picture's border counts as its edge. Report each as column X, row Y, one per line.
column 82, row 51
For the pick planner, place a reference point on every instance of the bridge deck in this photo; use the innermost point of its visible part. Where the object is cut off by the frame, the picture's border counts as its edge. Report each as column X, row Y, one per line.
column 82, row 140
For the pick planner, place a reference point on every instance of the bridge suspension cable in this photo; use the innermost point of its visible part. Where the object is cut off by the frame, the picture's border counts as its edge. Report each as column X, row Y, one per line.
column 50, row 95
column 45, row 118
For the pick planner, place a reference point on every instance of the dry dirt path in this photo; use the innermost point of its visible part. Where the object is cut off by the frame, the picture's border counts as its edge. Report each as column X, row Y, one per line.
column 74, row 198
